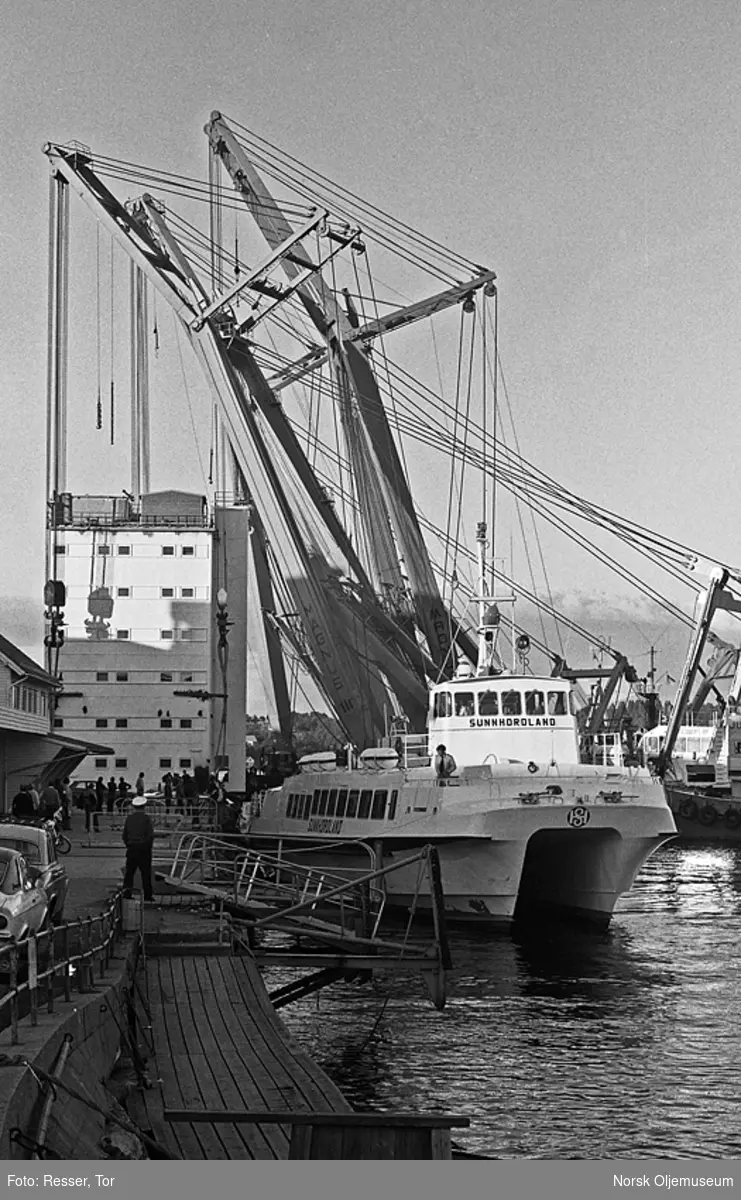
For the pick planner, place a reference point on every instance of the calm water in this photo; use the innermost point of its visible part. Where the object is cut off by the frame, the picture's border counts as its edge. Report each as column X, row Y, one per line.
column 616, row 1045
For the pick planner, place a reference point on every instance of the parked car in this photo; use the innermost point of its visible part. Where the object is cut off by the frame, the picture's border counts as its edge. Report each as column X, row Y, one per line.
column 77, row 790
column 23, row 905
column 35, row 841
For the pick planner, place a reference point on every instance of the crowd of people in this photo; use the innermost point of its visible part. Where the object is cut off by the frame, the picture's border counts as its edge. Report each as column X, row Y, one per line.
column 29, row 803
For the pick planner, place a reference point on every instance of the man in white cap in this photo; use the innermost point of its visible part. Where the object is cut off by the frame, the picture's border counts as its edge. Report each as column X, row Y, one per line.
column 138, row 838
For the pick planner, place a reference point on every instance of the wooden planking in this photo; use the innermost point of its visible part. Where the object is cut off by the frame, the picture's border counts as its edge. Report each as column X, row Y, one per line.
column 290, row 1085
column 315, row 1088
column 219, row 1045
column 173, row 1068
column 251, row 1080
column 220, row 1067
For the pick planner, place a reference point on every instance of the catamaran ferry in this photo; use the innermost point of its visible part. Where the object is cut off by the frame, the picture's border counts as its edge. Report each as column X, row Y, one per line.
column 521, row 825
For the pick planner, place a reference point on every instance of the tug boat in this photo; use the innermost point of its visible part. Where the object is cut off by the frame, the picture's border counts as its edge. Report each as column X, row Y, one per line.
column 496, row 784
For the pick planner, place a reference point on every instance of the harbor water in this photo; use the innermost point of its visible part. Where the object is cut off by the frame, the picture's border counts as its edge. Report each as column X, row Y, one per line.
column 566, row 1044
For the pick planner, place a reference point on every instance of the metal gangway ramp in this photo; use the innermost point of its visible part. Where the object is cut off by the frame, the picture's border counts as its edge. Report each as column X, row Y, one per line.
column 338, row 917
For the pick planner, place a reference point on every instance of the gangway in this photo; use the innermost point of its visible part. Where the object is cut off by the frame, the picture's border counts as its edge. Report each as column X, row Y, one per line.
column 339, row 916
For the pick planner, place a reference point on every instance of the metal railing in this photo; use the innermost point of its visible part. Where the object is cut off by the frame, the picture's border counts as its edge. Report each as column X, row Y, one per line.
column 199, row 814
column 245, row 876
column 50, row 969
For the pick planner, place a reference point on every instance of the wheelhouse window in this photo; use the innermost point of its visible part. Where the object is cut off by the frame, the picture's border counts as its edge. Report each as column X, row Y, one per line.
column 323, row 802
column 488, row 704
column 557, row 704
column 443, row 705
column 535, row 703
column 511, row 704
column 464, row 704
column 353, row 798
column 392, row 805
column 332, row 802
column 366, row 797
column 341, row 802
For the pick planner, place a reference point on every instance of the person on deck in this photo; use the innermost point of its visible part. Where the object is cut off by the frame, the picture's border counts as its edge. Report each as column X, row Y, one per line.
column 99, row 793
column 138, row 838
column 123, row 791
column 139, row 785
column 445, row 765
column 112, row 793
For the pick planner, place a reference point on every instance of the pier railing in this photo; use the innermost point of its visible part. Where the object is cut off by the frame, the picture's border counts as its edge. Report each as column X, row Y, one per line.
column 44, row 967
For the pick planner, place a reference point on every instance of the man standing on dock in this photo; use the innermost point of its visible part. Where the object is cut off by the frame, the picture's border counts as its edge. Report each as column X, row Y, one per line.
column 138, row 838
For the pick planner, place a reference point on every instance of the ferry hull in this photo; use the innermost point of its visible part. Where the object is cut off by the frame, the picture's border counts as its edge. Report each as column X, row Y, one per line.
column 504, row 862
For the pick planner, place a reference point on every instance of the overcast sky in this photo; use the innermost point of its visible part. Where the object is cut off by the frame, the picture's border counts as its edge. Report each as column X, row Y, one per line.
column 587, row 151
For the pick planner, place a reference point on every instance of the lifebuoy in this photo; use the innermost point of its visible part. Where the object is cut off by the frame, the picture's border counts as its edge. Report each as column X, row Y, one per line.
column 532, row 767
column 732, row 817
column 708, row 815
column 688, row 810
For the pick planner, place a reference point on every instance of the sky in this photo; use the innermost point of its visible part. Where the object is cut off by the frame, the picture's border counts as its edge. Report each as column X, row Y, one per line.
column 586, row 151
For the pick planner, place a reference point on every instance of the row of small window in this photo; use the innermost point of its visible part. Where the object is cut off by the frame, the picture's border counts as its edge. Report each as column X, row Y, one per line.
column 166, row 593
column 509, row 703
column 167, row 551
column 123, row 723
column 165, row 676
column 164, row 635
column 341, row 802
column 124, row 762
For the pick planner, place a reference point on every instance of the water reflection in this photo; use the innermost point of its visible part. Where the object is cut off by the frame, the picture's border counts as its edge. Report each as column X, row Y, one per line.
column 566, row 1044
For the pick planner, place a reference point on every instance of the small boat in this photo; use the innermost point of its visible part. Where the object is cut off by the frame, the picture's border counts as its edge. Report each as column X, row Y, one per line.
column 522, row 826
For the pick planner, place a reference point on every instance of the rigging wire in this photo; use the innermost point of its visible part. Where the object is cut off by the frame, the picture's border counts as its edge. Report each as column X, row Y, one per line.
column 99, row 405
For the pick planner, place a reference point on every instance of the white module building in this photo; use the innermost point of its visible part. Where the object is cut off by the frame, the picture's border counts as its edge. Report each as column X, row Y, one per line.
column 145, row 664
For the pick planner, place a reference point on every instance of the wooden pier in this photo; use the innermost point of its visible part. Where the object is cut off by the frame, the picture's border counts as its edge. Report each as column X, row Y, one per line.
column 228, row 1081
column 218, row 1044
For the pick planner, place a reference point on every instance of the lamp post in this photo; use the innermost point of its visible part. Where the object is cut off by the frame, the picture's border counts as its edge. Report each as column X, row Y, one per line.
column 223, row 625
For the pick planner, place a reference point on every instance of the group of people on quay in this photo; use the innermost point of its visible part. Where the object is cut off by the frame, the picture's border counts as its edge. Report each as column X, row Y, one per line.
column 29, row 803
column 53, row 801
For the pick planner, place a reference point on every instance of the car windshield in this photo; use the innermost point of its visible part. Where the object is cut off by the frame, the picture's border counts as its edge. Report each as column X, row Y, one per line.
column 29, row 850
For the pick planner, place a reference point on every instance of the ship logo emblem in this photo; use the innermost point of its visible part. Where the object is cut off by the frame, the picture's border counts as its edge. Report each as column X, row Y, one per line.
column 578, row 817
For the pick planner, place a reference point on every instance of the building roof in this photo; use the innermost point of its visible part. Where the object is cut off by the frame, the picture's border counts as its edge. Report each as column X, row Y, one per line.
column 23, row 664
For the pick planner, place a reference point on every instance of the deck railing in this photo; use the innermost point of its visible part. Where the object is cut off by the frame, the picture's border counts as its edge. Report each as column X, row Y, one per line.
column 53, row 960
